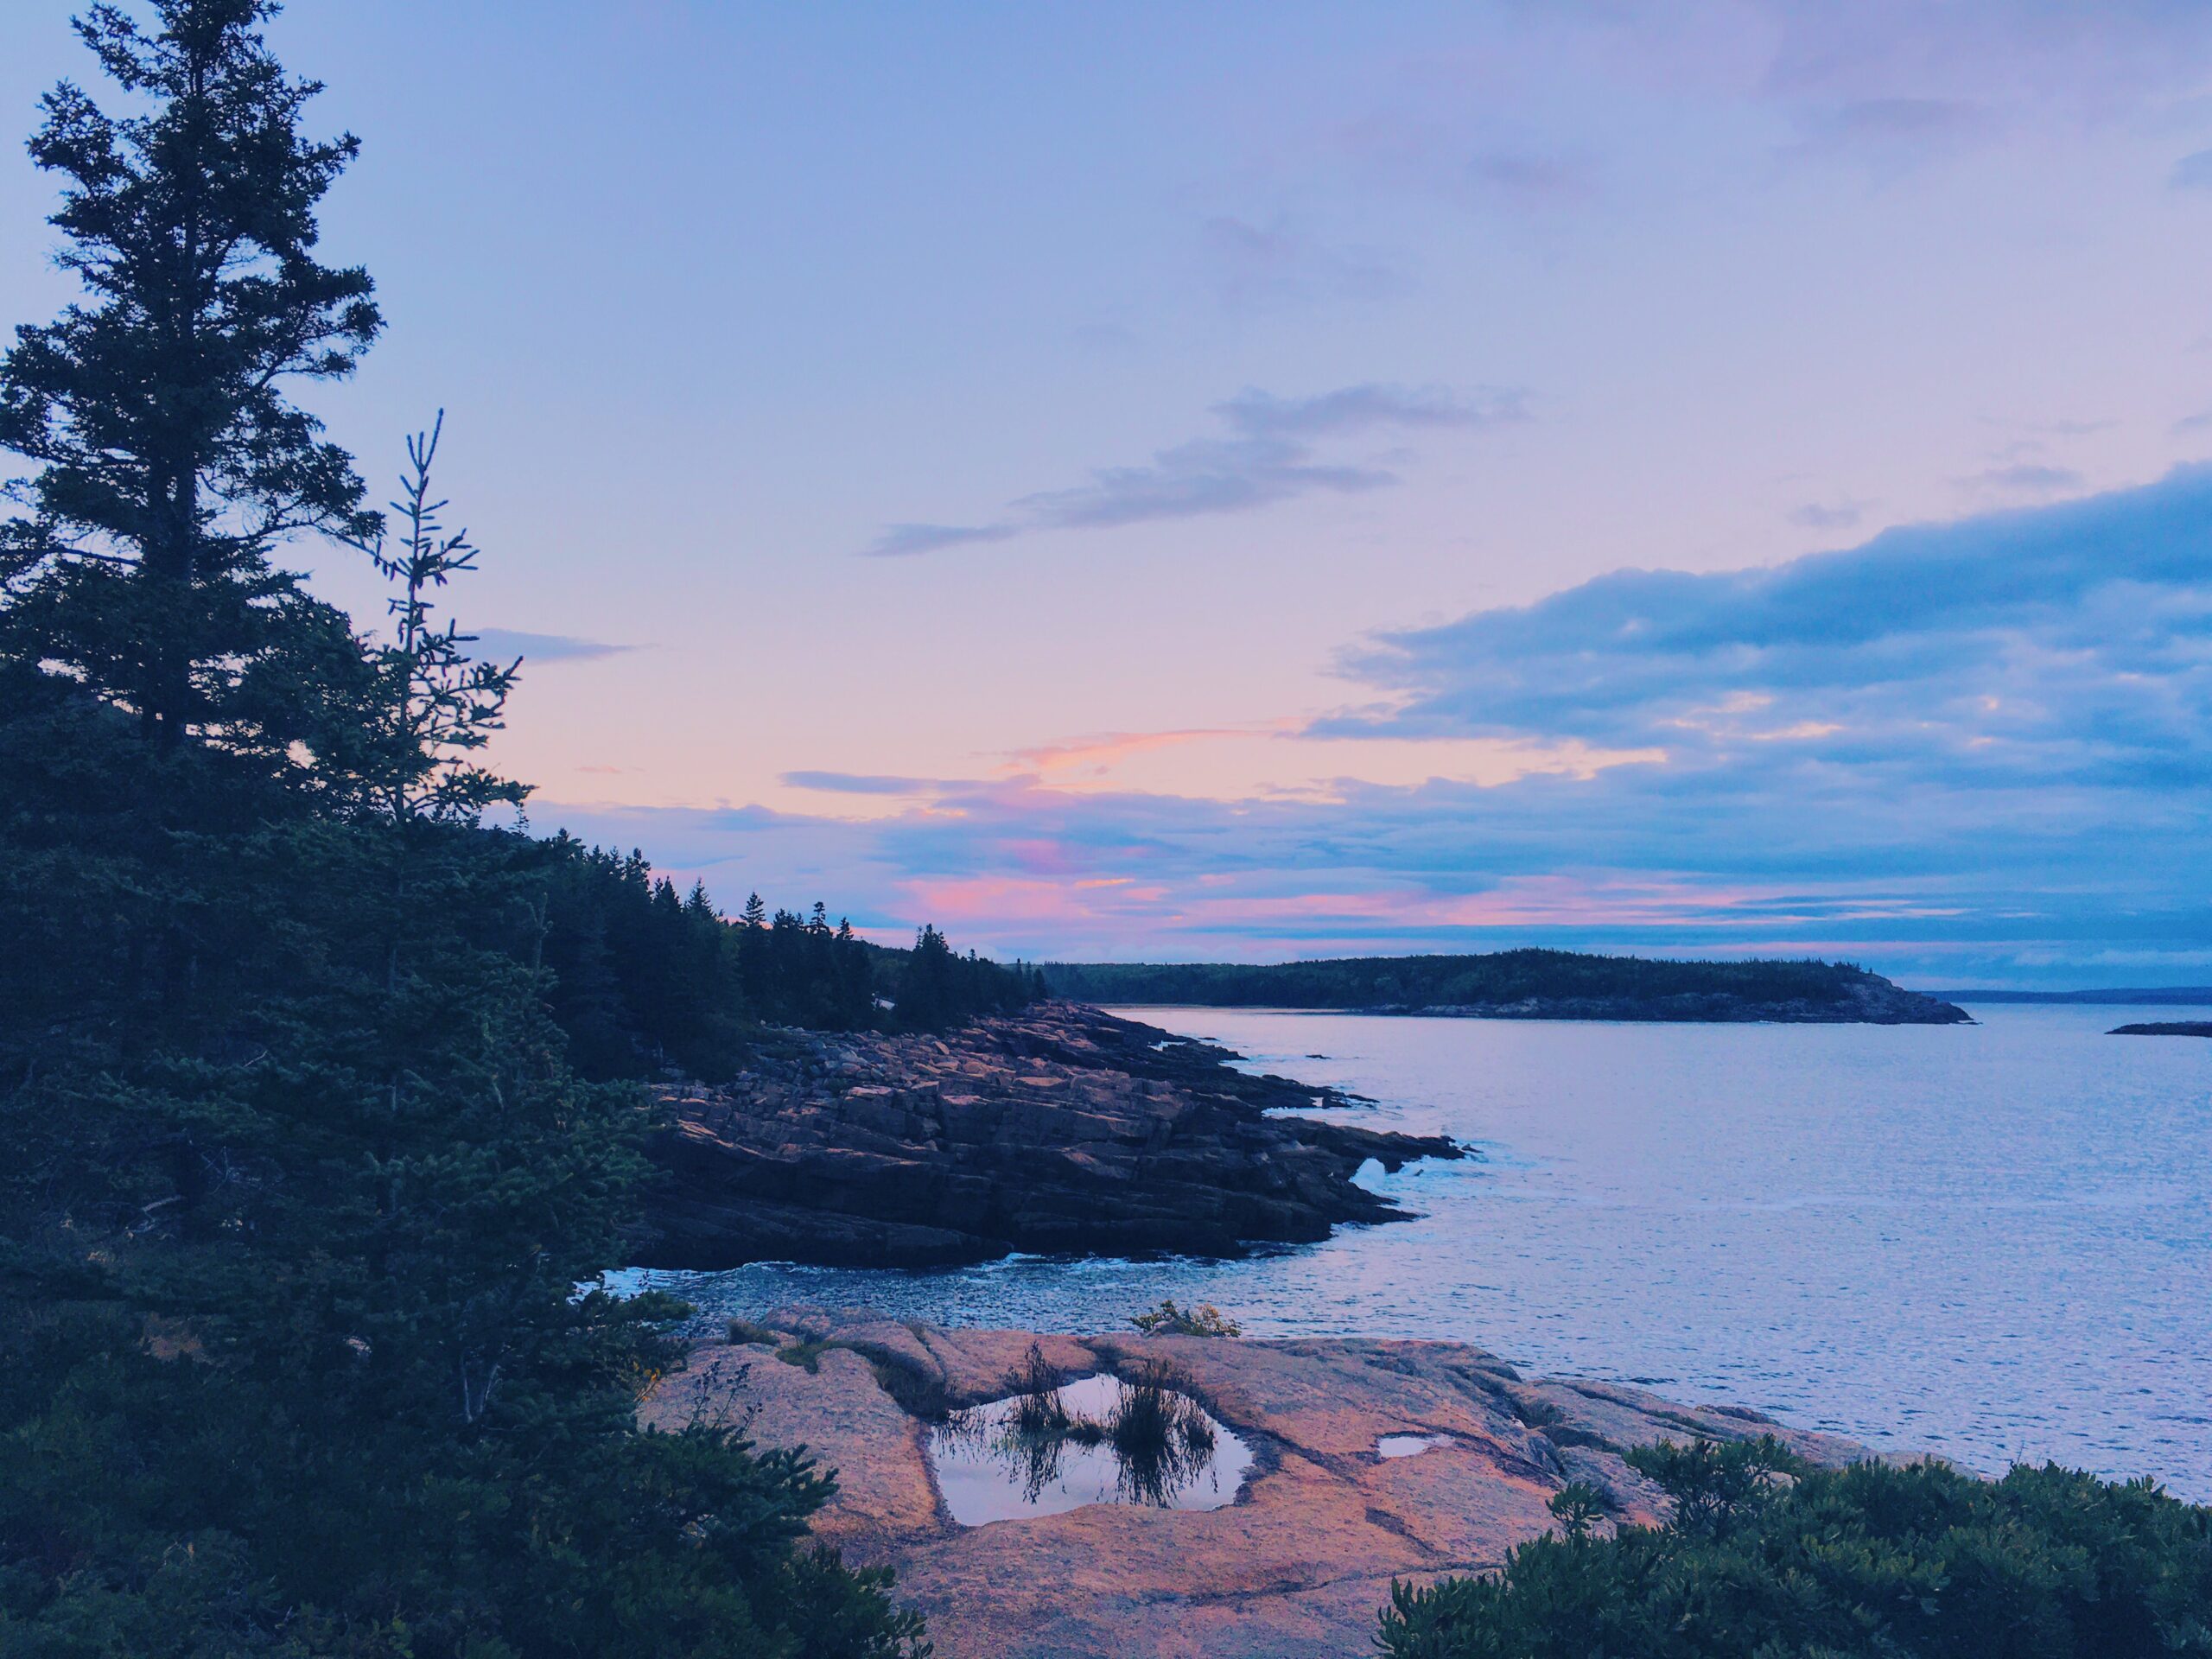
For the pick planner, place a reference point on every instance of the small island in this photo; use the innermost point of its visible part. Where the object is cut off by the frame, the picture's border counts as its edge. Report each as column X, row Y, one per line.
column 2164, row 1028
column 1522, row 985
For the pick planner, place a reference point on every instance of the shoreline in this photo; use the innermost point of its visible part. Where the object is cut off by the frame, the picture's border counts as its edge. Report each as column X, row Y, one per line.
column 1301, row 1557
column 1063, row 1129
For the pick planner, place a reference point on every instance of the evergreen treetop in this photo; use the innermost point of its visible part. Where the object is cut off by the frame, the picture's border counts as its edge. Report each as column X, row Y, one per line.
column 170, row 457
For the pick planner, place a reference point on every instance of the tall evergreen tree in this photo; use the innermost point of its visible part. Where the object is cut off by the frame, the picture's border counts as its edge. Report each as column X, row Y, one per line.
column 299, row 1184
column 170, row 460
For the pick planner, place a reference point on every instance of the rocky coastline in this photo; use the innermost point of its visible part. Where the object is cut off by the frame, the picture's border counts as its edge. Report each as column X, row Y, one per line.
column 1060, row 1128
column 1330, row 1511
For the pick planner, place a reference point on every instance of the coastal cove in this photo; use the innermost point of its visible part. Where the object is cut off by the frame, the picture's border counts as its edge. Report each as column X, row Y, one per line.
column 1975, row 1240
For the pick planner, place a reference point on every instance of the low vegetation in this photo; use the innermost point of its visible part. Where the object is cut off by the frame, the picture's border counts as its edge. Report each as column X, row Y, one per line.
column 1034, row 1388
column 1155, row 1420
column 1767, row 1558
column 1169, row 1320
column 1159, row 1436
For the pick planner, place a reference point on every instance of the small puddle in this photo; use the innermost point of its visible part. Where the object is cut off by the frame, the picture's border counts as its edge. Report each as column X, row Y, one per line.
column 992, row 1464
column 1407, row 1445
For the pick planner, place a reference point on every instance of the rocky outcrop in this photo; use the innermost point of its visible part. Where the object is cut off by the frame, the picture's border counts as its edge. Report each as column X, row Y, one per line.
column 1298, row 1564
column 1060, row 1128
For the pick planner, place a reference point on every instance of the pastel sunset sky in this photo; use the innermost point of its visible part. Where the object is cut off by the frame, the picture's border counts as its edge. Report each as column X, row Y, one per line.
column 1234, row 481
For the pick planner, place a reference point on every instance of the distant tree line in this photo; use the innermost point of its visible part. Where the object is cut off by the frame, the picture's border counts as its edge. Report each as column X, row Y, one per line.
column 641, row 980
column 1497, row 977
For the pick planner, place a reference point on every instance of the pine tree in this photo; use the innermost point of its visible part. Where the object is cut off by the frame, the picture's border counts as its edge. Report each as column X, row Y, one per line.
column 299, row 1184
column 170, row 461
column 437, row 705
column 928, row 992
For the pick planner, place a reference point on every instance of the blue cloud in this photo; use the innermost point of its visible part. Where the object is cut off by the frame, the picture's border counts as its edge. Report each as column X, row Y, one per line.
column 856, row 783
column 504, row 644
column 903, row 541
column 2192, row 172
column 1268, row 456
column 2030, row 477
column 2042, row 634
column 1813, row 515
column 1369, row 406
column 1257, row 265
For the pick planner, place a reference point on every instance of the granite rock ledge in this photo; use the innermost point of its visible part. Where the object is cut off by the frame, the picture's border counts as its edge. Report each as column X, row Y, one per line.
column 1298, row 1565
column 1061, row 1129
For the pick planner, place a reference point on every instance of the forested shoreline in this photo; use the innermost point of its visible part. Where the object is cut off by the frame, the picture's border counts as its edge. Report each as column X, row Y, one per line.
column 1518, row 984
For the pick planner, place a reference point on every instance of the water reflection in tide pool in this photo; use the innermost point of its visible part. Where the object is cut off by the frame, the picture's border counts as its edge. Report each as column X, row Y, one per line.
column 990, row 1466
column 1995, row 1242
column 1408, row 1445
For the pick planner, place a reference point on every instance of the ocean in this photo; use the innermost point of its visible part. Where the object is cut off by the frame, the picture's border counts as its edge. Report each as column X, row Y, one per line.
column 1992, row 1242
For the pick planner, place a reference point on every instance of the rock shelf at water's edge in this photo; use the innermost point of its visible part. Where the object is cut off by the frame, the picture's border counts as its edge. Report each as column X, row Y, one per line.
column 1297, row 1564
column 1060, row 1128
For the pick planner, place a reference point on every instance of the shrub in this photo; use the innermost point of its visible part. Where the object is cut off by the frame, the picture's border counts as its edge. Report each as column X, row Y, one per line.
column 918, row 1393
column 807, row 1356
column 1159, row 1434
column 1577, row 1507
column 1038, row 1411
column 1869, row 1562
column 1169, row 1320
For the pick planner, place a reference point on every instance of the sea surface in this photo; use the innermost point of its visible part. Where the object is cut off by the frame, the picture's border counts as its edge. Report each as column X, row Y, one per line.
column 1993, row 1241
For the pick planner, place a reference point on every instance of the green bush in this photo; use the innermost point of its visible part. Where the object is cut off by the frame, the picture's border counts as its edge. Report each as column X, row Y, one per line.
column 1768, row 1560
column 1169, row 1320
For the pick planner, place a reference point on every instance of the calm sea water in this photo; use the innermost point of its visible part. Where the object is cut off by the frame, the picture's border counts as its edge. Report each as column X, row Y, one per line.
column 1993, row 1241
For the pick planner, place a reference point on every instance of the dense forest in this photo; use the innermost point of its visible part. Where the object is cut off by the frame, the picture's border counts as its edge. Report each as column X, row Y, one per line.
column 311, row 1085
column 641, row 981
column 1533, row 982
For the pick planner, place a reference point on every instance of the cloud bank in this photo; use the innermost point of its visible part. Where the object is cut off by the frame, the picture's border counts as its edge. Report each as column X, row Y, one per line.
column 1972, row 752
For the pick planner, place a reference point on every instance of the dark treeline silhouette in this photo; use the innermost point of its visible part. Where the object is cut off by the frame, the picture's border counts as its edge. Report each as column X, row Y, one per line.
column 305, row 1156
column 932, row 986
column 1498, row 978
column 643, row 980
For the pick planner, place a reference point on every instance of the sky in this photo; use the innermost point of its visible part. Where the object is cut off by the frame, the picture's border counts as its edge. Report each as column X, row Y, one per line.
column 1722, row 477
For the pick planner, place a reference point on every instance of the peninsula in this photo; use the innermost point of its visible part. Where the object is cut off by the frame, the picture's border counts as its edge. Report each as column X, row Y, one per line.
column 1522, row 985
column 1058, row 1128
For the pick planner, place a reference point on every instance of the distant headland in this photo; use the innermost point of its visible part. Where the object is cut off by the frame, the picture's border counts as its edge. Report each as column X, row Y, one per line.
column 1520, row 985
